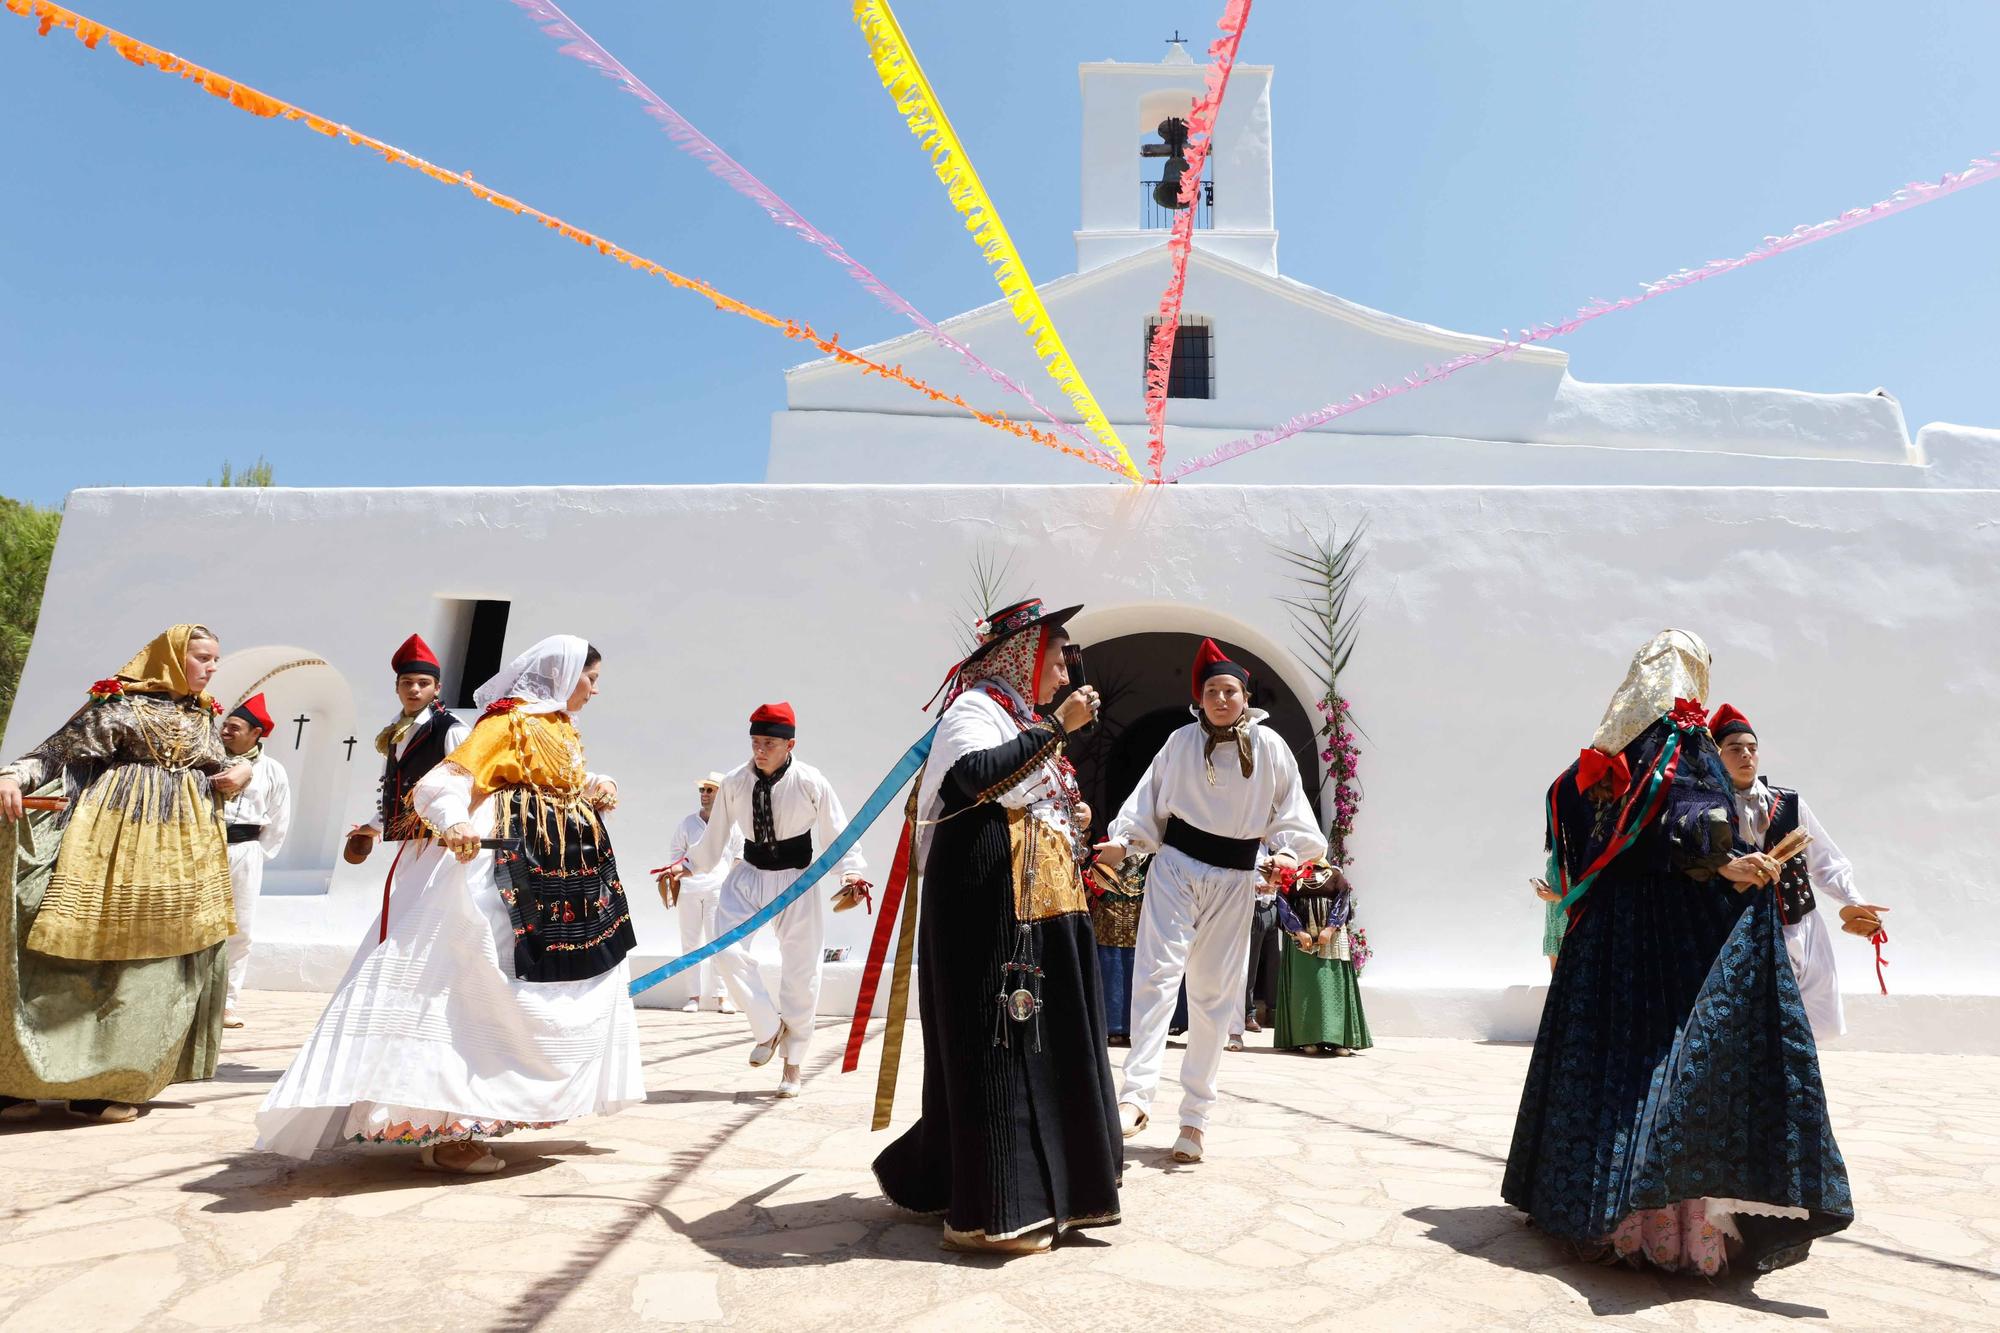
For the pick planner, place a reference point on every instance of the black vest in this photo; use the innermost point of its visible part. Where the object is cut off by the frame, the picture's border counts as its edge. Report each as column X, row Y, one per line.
column 426, row 750
column 1795, row 895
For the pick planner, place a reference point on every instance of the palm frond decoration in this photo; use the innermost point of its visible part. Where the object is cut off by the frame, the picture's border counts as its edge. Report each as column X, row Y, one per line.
column 993, row 586
column 1327, row 619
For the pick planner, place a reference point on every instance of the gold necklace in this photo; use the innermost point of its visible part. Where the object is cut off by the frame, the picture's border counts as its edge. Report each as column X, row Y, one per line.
column 167, row 741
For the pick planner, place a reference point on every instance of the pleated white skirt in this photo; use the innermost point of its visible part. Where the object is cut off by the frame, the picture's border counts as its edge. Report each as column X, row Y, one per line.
column 430, row 1036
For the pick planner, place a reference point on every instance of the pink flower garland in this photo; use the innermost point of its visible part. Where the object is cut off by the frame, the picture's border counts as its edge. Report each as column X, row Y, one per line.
column 1342, row 758
column 1913, row 195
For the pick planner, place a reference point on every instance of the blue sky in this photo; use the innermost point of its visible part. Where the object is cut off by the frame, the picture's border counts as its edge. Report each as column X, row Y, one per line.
column 183, row 284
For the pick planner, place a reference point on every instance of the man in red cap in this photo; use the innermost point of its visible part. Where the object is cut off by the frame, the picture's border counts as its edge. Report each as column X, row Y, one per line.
column 1221, row 796
column 420, row 738
column 257, row 818
column 1765, row 815
column 786, row 811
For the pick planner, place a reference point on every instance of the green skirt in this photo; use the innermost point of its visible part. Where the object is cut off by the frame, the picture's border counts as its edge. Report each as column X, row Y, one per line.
column 74, row 1030
column 1319, row 1003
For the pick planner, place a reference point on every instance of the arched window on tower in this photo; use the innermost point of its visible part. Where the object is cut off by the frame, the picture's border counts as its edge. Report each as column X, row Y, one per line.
column 1191, row 373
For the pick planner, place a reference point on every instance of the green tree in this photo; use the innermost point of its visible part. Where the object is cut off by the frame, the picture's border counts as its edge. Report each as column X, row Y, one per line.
column 27, row 541
column 257, row 474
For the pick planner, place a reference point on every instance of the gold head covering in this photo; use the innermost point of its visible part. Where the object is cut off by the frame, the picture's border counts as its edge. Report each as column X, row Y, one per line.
column 1673, row 666
column 161, row 666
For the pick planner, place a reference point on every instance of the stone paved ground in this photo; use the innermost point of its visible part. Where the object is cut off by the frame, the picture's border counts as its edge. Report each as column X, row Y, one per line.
column 1345, row 1194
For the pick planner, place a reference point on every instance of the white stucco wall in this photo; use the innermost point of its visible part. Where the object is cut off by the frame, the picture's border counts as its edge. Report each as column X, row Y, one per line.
column 1861, row 628
column 1281, row 348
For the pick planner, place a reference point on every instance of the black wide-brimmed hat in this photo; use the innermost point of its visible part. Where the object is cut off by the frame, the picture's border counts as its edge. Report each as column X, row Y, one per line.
column 1002, row 626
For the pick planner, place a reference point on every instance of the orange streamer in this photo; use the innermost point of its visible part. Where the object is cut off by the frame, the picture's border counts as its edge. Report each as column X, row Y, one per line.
column 248, row 99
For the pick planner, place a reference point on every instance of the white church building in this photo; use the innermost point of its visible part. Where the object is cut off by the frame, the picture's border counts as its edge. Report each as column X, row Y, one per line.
column 1524, row 531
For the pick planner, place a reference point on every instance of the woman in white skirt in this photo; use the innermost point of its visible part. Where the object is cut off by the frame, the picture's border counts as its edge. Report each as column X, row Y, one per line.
column 498, row 1000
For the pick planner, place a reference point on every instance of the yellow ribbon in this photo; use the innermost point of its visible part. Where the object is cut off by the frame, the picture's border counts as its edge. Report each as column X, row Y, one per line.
column 899, row 989
column 896, row 65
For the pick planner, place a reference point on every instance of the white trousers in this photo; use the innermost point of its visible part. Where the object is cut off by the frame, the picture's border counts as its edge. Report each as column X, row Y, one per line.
column 246, row 881
column 696, row 915
column 1195, row 922
column 801, row 930
column 1809, row 944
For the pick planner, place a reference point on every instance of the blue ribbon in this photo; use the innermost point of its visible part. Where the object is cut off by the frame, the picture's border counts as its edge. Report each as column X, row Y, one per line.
column 870, row 811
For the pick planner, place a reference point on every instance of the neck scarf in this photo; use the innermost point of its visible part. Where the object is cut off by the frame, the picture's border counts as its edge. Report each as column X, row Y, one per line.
column 251, row 755
column 387, row 739
column 161, row 666
column 1246, row 753
column 543, row 678
column 763, row 825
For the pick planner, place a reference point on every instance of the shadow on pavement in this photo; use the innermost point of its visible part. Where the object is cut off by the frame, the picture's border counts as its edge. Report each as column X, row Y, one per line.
column 1499, row 1235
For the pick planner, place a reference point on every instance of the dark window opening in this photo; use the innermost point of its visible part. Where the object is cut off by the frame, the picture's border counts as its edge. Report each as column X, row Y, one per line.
column 1191, row 373
column 480, row 659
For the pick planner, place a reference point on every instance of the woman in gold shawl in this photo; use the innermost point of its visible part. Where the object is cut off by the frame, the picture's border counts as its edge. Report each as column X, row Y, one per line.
column 118, row 901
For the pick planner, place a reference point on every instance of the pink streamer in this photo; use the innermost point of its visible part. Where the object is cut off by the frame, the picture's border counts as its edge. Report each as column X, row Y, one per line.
column 720, row 164
column 1201, row 127
column 1910, row 196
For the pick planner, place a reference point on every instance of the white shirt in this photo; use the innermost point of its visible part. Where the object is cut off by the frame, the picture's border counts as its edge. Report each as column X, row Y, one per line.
column 267, row 801
column 1830, row 872
column 974, row 722
column 802, row 801
column 1269, row 805
column 686, row 835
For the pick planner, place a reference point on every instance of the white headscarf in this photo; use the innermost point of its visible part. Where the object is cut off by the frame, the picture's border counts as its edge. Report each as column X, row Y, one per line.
column 542, row 678
column 1673, row 666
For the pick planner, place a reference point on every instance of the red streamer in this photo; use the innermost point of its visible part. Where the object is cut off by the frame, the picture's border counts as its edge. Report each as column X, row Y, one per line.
column 878, row 947
column 1180, row 241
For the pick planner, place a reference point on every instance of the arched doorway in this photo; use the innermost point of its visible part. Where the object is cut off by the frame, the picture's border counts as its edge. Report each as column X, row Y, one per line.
column 315, row 740
column 1144, row 680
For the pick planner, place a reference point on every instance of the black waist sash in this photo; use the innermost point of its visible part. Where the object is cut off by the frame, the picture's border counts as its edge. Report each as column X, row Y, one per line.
column 784, row 854
column 1212, row 848
column 244, row 833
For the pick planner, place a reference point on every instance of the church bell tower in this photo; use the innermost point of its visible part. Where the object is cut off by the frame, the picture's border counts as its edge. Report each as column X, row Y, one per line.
column 1129, row 109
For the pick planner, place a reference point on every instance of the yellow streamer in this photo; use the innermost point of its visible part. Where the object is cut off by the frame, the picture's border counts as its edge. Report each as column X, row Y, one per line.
column 896, row 65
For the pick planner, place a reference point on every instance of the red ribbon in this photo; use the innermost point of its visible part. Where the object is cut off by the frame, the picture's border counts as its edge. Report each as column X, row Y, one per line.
column 878, row 947
column 388, row 884
column 860, row 888
column 1878, row 939
column 1593, row 766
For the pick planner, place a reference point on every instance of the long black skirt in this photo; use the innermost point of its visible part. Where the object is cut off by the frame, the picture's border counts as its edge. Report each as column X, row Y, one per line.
column 1020, row 1134
column 1675, row 1062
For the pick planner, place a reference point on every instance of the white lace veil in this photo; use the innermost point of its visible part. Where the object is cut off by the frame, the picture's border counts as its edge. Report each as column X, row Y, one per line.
column 1673, row 666
column 542, row 678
